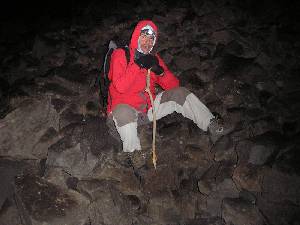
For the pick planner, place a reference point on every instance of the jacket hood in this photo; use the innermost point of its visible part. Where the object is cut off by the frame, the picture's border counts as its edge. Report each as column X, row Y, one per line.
column 136, row 33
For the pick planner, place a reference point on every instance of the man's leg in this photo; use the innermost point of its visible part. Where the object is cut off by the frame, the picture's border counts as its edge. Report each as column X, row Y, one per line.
column 182, row 101
column 125, row 118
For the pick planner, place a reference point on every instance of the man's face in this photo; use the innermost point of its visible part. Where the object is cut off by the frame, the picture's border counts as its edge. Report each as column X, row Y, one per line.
column 146, row 42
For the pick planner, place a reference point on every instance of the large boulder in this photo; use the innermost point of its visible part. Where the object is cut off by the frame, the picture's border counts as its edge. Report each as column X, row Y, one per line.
column 240, row 212
column 249, row 177
column 79, row 150
column 280, row 187
column 108, row 205
column 29, row 130
column 225, row 189
column 49, row 204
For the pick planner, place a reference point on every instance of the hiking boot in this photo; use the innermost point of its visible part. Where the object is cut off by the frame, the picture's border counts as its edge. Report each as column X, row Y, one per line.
column 217, row 129
column 145, row 136
column 124, row 159
column 139, row 158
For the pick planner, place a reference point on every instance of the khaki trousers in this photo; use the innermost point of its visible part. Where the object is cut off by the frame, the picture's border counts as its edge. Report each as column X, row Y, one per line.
column 126, row 119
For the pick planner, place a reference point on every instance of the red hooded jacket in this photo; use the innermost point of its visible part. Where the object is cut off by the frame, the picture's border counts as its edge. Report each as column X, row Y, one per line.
column 128, row 81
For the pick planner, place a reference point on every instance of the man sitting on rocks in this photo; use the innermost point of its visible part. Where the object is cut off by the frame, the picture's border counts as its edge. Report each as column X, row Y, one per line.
column 128, row 103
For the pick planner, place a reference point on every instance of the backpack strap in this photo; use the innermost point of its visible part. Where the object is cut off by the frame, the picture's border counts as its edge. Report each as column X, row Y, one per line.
column 104, row 80
column 127, row 53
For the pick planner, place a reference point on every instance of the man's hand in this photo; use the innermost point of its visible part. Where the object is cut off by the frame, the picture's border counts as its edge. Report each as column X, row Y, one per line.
column 150, row 61
column 157, row 69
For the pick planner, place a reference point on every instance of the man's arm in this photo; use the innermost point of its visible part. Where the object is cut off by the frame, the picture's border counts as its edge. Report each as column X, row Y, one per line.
column 120, row 74
column 167, row 80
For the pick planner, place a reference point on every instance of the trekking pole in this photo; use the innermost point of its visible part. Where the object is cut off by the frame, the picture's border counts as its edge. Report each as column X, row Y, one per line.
column 154, row 157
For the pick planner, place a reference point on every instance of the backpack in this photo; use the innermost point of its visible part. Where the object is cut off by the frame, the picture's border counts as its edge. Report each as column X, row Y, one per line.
column 103, row 80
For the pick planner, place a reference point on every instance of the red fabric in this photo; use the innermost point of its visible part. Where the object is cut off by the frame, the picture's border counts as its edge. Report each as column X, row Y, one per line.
column 128, row 82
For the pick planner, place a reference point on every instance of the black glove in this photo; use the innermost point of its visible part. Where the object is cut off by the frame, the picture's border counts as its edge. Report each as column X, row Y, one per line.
column 149, row 61
column 145, row 61
column 157, row 69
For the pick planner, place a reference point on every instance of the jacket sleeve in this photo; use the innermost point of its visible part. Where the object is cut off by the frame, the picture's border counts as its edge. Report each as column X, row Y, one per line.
column 168, row 80
column 119, row 74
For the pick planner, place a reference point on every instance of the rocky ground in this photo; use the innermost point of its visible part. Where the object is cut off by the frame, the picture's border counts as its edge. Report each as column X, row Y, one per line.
column 58, row 164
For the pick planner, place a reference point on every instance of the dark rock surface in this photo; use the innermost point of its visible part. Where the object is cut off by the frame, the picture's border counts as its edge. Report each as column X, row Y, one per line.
column 59, row 165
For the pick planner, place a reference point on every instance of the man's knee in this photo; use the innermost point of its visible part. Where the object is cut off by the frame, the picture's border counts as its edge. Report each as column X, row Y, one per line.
column 177, row 95
column 124, row 114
